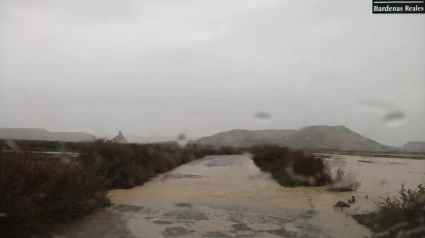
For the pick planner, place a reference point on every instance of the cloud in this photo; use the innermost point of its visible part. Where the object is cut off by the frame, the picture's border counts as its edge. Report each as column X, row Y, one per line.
column 176, row 66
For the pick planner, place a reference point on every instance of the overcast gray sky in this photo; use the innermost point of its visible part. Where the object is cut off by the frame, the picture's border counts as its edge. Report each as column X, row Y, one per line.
column 161, row 67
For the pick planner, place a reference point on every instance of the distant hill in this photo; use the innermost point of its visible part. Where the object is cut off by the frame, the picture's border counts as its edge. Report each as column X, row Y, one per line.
column 414, row 146
column 42, row 134
column 333, row 137
column 240, row 137
column 330, row 137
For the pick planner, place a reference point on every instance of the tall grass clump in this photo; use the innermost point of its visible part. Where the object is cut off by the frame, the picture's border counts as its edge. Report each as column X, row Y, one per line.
column 37, row 191
column 400, row 216
column 342, row 181
column 291, row 167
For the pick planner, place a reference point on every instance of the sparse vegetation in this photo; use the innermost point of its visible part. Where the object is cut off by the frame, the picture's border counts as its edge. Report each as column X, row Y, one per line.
column 402, row 216
column 38, row 190
column 343, row 182
column 129, row 165
column 300, row 168
column 291, row 167
column 34, row 145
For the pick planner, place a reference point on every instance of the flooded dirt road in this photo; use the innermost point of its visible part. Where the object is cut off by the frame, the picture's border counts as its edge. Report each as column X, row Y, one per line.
column 228, row 196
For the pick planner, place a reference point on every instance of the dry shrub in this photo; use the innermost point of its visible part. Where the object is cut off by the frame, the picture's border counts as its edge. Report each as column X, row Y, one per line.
column 343, row 182
column 291, row 167
column 35, row 145
column 37, row 191
column 115, row 162
column 401, row 216
column 129, row 165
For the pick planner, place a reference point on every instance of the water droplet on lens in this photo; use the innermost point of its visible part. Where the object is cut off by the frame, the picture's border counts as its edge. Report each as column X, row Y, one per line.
column 181, row 136
column 131, row 181
column 182, row 140
column 395, row 115
column 383, row 182
column 262, row 117
column 394, row 119
column 12, row 144
column 311, row 180
column 41, row 195
column 65, row 159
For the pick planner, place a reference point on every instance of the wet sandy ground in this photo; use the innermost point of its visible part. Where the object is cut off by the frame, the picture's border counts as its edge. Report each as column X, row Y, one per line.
column 228, row 196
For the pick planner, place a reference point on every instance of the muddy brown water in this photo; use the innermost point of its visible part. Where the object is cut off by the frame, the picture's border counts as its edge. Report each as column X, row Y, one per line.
column 228, row 196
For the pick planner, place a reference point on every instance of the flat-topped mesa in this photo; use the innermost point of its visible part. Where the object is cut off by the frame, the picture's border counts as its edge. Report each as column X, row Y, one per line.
column 120, row 138
column 315, row 136
column 414, row 146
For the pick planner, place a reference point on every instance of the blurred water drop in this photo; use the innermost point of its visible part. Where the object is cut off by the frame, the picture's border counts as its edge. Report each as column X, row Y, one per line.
column 3, row 214
column 12, row 144
column 181, row 136
column 395, row 115
column 422, row 199
column 65, row 159
column 289, row 170
column 99, row 194
column 311, row 180
column 131, row 182
column 151, row 151
column 394, row 119
column 383, row 182
column 91, row 202
column 98, row 159
column 262, row 117
column 182, row 140
column 41, row 195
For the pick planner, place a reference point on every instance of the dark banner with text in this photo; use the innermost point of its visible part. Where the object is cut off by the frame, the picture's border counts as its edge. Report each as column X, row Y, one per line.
column 399, row 6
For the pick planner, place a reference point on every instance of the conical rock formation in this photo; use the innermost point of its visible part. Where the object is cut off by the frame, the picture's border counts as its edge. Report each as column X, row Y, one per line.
column 120, row 138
